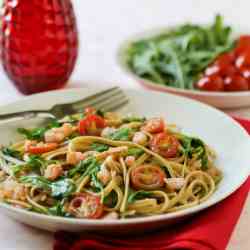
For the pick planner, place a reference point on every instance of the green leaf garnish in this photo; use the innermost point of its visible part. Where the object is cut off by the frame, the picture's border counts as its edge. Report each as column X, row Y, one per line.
column 33, row 163
column 12, row 152
column 38, row 133
column 135, row 152
column 133, row 196
column 191, row 146
column 58, row 189
column 57, row 210
column 99, row 147
column 111, row 199
column 62, row 188
column 122, row 134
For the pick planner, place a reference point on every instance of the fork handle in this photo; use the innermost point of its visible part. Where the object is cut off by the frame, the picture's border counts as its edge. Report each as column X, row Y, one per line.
column 23, row 114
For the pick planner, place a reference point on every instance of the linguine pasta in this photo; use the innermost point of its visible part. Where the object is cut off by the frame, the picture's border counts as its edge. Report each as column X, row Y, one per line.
column 104, row 166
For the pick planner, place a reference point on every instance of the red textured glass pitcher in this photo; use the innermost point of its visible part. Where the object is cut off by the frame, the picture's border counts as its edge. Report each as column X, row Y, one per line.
column 39, row 43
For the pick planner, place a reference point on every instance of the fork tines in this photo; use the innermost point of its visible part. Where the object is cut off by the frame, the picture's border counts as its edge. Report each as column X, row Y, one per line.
column 107, row 100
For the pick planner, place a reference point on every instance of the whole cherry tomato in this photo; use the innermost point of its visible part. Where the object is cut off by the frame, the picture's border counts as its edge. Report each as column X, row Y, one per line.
column 165, row 145
column 245, row 72
column 225, row 59
column 235, row 83
column 243, row 59
column 86, row 205
column 211, row 83
column 243, row 43
column 221, row 70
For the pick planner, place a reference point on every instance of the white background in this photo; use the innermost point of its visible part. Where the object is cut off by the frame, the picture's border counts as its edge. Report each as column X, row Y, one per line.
column 103, row 25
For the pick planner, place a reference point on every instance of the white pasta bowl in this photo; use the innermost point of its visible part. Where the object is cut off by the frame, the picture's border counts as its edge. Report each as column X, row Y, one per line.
column 218, row 130
column 224, row 100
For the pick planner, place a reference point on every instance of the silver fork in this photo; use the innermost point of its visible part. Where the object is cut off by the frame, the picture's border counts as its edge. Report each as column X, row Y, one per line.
column 106, row 100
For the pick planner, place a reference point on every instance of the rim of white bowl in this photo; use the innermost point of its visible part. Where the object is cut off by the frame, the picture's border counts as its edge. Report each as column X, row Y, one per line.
column 139, row 220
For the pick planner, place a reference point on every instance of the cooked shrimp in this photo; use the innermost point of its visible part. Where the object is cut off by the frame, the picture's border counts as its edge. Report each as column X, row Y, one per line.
column 53, row 171
column 74, row 157
column 59, row 134
column 140, row 138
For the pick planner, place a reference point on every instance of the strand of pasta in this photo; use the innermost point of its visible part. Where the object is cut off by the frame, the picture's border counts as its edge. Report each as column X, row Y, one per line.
column 83, row 182
column 36, row 205
column 183, row 190
column 59, row 151
column 124, row 168
column 19, row 203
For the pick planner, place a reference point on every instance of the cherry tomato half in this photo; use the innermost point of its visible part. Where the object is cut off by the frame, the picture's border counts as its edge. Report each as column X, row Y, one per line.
column 91, row 124
column 154, row 125
column 147, row 177
column 235, row 83
column 41, row 148
column 211, row 83
column 165, row 145
column 86, row 205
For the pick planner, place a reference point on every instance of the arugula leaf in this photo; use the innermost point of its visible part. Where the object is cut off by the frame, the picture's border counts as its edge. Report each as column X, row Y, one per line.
column 96, row 183
column 38, row 181
column 133, row 196
column 122, row 134
column 169, row 49
column 12, row 152
column 88, row 167
column 16, row 169
column 199, row 147
column 135, row 151
column 32, row 134
column 99, row 147
column 221, row 33
column 143, row 61
column 84, row 166
column 57, row 210
column 34, row 163
column 38, row 133
column 61, row 188
column 196, row 146
column 111, row 199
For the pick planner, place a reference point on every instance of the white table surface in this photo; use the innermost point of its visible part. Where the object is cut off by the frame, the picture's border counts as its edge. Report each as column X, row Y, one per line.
column 103, row 25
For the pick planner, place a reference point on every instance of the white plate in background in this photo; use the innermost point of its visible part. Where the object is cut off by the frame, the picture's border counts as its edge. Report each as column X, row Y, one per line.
column 237, row 99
